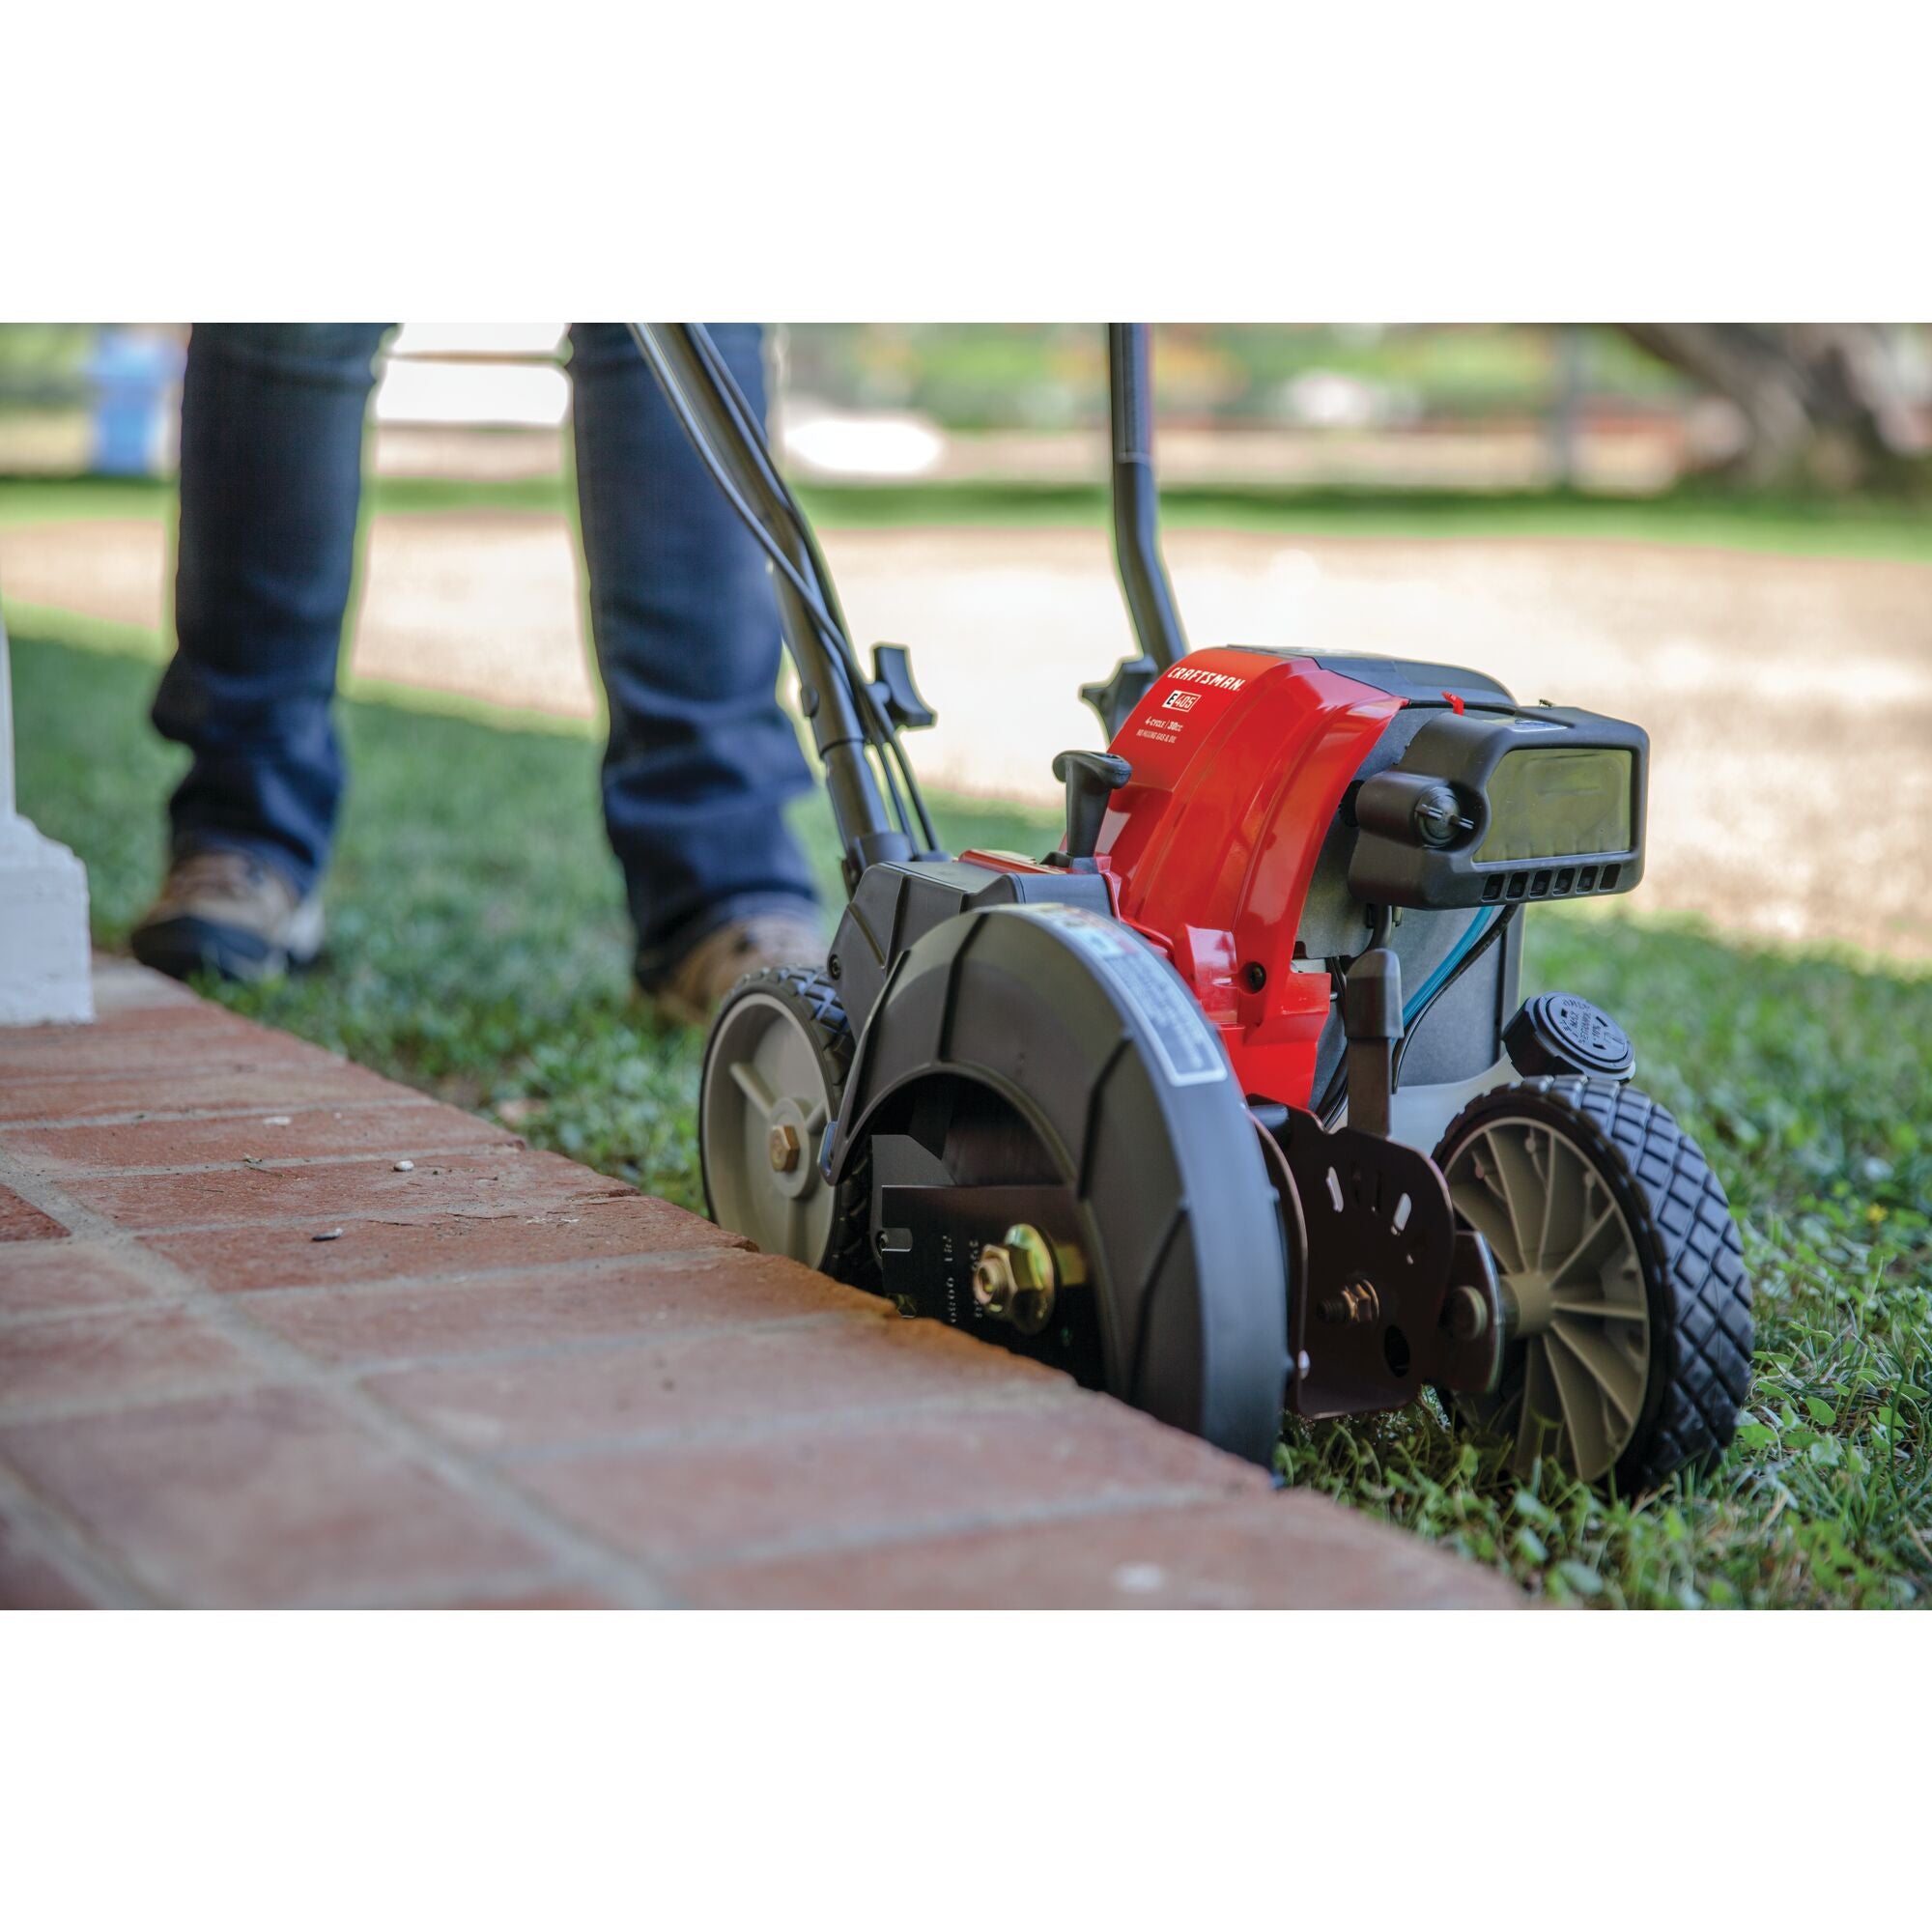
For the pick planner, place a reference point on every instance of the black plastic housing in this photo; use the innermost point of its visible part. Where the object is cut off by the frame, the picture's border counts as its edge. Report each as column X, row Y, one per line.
column 1401, row 857
column 895, row 905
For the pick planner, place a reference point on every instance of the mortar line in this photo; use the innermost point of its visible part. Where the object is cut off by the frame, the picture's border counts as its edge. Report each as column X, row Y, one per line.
column 294, row 1163
column 295, row 1066
column 600, row 1265
column 136, row 1116
column 527, row 1211
column 56, row 1535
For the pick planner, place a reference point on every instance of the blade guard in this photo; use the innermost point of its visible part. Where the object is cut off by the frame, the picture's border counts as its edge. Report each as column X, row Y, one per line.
column 1098, row 1050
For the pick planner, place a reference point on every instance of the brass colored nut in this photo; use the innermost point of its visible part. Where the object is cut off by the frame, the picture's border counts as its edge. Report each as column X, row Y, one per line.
column 993, row 1284
column 1017, row 1279
column 783, row 1147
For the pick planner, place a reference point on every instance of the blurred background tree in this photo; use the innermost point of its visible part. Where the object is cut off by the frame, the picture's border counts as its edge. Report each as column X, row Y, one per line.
column 1832, row 403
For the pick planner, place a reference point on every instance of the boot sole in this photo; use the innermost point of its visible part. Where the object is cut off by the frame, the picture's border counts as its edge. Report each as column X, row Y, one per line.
column 181, row 947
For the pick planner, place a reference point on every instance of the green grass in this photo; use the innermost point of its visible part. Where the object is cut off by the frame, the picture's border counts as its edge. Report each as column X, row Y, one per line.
column 479, row 950
column 1872, row 528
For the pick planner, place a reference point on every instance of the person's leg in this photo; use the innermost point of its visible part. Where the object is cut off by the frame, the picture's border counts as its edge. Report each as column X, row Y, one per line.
column 271, row 483
column 701, row 756
column 270, row 478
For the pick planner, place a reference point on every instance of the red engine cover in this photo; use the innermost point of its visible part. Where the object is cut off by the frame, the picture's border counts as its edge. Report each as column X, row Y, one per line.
column 1239, row 762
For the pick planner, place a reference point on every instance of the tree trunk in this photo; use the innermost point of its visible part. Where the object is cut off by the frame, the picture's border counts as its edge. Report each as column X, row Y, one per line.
column 1821, row 402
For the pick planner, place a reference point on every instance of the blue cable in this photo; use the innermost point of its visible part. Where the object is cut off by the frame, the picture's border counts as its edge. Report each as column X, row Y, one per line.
column 1453, row 957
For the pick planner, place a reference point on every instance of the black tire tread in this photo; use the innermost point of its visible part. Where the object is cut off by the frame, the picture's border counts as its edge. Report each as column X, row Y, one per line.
column 1691, row 1253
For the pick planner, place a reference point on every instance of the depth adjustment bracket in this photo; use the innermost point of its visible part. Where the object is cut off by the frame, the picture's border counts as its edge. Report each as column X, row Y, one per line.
column 1398, row 1291
column 1372, row 1020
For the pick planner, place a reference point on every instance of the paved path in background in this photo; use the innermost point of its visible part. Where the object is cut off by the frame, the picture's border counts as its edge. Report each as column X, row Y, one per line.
column 1789, row 699
column 508, row 1380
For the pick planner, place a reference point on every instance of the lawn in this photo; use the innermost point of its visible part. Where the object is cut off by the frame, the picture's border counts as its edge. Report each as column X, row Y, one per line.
column 1812, row 526
column 478, row 950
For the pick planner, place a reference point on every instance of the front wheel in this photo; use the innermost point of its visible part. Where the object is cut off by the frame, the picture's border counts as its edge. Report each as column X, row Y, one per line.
column 1622, row 1270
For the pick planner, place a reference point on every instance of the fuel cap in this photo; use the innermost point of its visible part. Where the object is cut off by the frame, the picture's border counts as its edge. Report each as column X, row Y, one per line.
column 1559, row 1033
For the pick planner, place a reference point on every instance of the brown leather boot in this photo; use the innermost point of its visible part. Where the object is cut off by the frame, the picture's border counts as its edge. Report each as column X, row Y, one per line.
column 689, row 995
column 231, row 914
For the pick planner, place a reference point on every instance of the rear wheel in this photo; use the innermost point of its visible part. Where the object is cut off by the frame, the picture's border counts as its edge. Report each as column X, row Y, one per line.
column 1623, row 1271
column 775, row 1069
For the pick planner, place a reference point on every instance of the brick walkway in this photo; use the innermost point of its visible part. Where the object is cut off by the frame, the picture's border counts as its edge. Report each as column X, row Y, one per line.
column 508, row 1380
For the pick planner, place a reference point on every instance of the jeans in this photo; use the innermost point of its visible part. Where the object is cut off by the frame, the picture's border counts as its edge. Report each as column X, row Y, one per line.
column 700, row 758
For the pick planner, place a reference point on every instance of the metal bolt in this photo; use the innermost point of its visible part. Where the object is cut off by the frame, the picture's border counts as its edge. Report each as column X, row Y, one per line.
column 1356, row 1302
column 1466, row 1313
column 783, row 1144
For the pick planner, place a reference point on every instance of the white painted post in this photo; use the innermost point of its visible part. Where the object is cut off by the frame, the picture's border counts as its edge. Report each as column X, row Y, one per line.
column 46, row 973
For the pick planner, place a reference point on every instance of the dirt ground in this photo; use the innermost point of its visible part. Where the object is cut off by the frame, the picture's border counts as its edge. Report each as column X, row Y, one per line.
column 1789, row 700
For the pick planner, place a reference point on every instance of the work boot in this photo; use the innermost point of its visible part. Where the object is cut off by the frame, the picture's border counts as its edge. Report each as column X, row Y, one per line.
column 228, row 913
column 690, row 992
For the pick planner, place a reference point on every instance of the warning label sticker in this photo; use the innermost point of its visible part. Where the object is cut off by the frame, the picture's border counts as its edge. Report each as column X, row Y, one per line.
column 1178, row 1030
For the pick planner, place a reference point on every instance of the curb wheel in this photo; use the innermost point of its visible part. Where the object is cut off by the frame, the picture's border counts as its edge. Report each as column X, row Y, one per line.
column 1615, row 1244
column 775, row 1069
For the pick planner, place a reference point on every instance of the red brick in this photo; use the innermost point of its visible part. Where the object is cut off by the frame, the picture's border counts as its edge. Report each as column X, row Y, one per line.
column 21, row 1221
column 46, row 1278
column 931, row 1472
column 392, row 1130
column 267, row 1497
column 545, row 1308
column 280, row 1090
column 235, row 1260
column 767, row 1435
column 506, row 1180
column 30, row 1581
column 130, row 1355
column 825, row 1365
column 124, row 1021
column 197, row 1038
column 1297, row 1552
column 124, row 986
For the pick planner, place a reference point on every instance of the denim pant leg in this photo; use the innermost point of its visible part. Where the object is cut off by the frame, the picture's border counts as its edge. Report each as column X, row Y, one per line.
column 270, row 479
column 701, row 756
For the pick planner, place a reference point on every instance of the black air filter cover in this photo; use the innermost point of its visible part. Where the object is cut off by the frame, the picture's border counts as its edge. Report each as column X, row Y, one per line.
column 1558, row 1033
